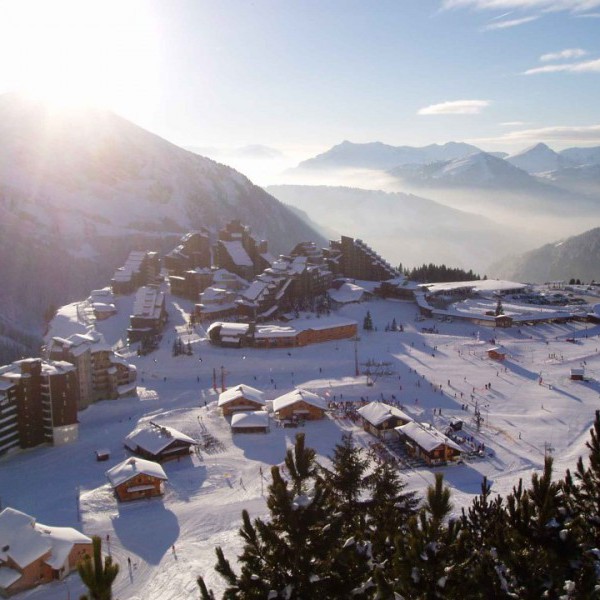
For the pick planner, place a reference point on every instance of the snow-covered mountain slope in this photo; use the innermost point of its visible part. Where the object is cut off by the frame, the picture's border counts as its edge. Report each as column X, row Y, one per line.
column 582, row 156
column 583, row 179
column 376, row 155
column 479, row 169
column 405, row 228
column 539, row 158
column 575, row 257
column 79, row 189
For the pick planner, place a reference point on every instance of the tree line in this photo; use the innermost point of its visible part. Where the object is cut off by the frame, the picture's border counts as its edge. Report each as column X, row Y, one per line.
column 438, row 274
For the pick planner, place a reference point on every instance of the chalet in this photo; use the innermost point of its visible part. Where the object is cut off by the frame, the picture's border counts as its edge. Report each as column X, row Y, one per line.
column 578, row 374
column 32, row 554
column 136, row 478
column 256, row 421
column 299, row 404
column 427, row 443
column 503, row 321
column 159, row 443
column 497, row 353
column 347, row 293
column 241, row 398
column 380, row 419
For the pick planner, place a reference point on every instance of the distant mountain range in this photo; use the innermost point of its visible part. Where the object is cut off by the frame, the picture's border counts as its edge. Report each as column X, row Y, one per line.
column 79, row 189
column 575, row 257
column 376, row 155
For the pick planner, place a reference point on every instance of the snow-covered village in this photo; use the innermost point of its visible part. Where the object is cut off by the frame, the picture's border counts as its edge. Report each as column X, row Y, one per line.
column 162, row 401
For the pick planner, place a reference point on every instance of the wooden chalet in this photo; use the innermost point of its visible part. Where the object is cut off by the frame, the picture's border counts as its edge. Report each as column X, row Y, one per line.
column 137, row 478
column 241, row 398
column 32, row 554
column 427, row 443
column 159, row 443
column 255, row 421
column 299, row 404
column 497, row 353
column 578, row 374
column 380, row 419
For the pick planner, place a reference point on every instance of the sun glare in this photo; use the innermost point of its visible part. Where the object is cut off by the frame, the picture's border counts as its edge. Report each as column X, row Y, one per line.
column 79, row 52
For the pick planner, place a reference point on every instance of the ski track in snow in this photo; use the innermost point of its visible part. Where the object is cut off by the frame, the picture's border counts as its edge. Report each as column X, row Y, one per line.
column 205, row 496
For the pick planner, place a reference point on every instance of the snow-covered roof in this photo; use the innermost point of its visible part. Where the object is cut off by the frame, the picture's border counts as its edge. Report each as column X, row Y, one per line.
column 155, row 438
column 131, row 467
column 248, row 419
column 482, row 285
column 298, row 395
column 241, row 391
column 426, row 437
column 348, row 292
column 238, row 254
column 255, row 289
column 377, row 413
column 24, row 541
column 148, row 302
column 273, row 331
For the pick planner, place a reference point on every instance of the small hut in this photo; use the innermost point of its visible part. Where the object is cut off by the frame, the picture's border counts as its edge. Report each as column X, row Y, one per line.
column 159, row 443
column 256, row 421
column 427, row 443
column 497, row 353
column 578, row 374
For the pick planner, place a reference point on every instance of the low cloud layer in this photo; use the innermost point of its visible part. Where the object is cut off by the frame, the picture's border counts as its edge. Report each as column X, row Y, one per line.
column 587, row 66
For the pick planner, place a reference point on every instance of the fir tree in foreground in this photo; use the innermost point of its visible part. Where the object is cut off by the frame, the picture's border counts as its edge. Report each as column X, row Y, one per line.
column 350, row 532
column 97, row 576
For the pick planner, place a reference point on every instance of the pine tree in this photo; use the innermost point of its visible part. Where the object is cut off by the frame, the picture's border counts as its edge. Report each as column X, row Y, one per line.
column 423, row 560
column 582, row 492
column 346, row 482
column 499, row 308
column 368, row 322
column 480, row 573
column 98, row 577
column 300, row 553
column 394, row 324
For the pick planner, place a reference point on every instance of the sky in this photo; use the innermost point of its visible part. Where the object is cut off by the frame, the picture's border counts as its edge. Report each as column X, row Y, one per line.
column 292, row 78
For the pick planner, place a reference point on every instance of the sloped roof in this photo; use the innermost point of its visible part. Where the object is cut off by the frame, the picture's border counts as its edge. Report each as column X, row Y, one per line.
column 131, row 467
column 238, row 254
column 298, row 395
column 426, row 437
column 24, row 541
column 377, row 413
column 153, row 439
column 241, row 391
column 254, row 418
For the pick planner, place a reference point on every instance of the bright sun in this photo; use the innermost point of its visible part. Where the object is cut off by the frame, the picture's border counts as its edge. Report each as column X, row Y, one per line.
column 73, row 52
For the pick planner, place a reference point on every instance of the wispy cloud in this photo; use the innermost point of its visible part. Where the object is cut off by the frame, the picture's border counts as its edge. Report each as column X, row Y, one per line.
column 573, row 6
column 513, row 124
column 567, row 54
column 509, row 23
column 457, row 107
column 584, row 134
column 588, row 66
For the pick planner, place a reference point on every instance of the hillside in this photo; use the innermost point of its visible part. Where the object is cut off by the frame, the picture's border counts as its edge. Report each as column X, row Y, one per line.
column 575, row 257
column 79, row 189
column 403, row 228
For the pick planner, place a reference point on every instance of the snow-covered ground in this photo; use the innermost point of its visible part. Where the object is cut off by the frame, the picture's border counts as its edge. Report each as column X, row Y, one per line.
column 171, row 540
